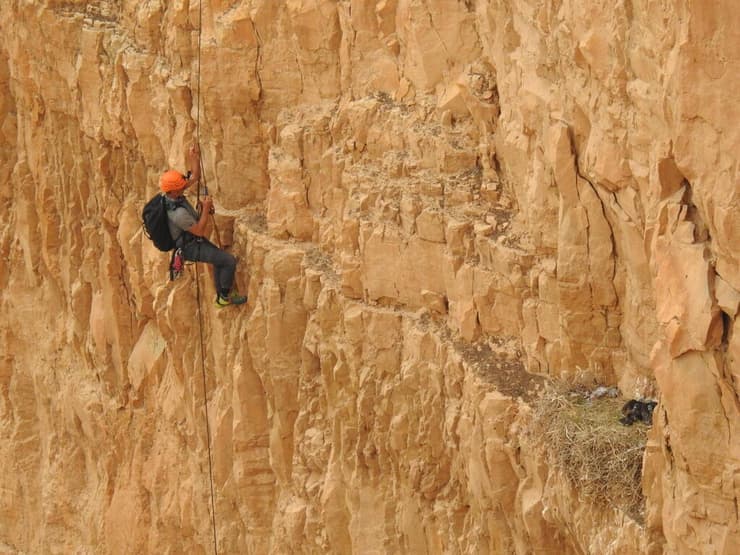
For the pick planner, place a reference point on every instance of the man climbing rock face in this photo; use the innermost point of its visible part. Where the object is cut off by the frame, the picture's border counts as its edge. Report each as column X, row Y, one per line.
column 188, row 229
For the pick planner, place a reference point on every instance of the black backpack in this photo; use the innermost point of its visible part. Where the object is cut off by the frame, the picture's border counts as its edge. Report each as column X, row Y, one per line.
column 155, row 221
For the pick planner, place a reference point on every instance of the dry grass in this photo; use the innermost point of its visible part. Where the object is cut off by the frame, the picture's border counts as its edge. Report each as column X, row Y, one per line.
column 601, row 457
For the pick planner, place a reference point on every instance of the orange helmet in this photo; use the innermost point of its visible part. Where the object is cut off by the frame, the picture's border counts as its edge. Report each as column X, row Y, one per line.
column 172, row 180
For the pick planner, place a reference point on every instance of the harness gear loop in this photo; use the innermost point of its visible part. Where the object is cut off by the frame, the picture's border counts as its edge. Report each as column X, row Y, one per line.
column 177, row 264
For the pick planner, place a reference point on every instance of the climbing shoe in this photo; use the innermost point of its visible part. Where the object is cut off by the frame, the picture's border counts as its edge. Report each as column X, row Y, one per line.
column 234, row 298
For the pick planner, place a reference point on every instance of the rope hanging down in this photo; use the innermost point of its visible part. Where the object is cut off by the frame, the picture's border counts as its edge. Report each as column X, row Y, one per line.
column 198, row 299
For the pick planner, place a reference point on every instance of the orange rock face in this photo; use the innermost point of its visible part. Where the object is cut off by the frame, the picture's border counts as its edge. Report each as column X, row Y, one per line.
column 436, row 204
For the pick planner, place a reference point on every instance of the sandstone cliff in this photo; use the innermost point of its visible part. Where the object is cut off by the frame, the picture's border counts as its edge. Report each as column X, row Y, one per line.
column 437, row 205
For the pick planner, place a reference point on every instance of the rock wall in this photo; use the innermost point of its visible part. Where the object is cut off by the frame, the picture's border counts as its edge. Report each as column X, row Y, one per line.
column 435, row 204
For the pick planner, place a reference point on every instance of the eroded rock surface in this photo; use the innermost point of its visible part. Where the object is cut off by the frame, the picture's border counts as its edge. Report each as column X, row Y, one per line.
column 436, row 204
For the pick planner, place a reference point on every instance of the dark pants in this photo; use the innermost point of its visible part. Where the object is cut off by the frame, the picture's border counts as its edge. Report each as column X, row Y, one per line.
column 224, row 264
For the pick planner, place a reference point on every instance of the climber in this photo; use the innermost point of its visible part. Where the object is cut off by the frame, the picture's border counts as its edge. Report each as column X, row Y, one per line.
column 188, row 230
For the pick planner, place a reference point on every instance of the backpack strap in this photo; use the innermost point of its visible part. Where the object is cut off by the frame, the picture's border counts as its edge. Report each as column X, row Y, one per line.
column 185, row 238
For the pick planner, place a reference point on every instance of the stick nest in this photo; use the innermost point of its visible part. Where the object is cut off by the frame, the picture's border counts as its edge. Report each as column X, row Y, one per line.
column 585, row 440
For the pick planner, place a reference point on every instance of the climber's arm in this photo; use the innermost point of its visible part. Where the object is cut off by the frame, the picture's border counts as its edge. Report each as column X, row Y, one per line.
column 200, row 227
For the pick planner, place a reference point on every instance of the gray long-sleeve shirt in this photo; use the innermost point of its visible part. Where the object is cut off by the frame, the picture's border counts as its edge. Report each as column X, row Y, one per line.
column 181, row 216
